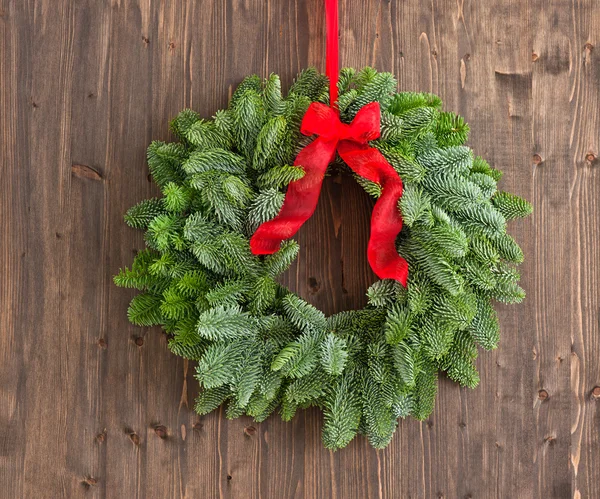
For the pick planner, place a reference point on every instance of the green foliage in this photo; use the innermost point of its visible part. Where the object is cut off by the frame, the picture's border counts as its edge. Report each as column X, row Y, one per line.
column 259, row 347
column 342, row 411
column 224, row 323
column 398, row 325
column 140, row 215
column 211, row 398
column 271, row 144
column 144, row 310
column 303, row 315
column 266, row 205
column 511, row 206
column 451, row 130
column 165, row 162
column 333, row 354
column 280, row 176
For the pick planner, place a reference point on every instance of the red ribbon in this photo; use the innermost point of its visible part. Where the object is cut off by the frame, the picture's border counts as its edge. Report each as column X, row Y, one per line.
column 351, row 143
column 331, row 57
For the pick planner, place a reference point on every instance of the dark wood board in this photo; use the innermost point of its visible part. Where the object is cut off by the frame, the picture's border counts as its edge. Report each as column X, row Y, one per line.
column 84, row 87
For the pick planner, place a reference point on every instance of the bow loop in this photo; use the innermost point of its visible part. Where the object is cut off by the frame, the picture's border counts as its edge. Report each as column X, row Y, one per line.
column 366, row 124
column 320, row 120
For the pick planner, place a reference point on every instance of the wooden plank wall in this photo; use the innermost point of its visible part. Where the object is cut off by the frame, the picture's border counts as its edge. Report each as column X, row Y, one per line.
column 93, row 407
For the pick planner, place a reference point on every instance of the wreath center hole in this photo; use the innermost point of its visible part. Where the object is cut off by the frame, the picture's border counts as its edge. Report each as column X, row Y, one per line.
column 332, row 271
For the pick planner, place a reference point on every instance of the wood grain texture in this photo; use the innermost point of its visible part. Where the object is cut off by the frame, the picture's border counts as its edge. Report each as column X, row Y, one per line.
column 91, row 406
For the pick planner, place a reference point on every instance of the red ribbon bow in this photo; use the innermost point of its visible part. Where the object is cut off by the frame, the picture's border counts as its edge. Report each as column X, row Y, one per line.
column 351, row 143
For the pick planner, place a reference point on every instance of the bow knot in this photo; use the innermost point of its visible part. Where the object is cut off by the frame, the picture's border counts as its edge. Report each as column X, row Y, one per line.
column 325, row 122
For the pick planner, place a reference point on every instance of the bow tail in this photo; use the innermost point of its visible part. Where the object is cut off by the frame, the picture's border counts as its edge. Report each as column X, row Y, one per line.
column 386, row 224
column 386, row 221
column 300, row 200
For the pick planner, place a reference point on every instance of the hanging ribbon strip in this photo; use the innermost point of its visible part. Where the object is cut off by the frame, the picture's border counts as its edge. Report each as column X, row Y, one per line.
column 351, row 143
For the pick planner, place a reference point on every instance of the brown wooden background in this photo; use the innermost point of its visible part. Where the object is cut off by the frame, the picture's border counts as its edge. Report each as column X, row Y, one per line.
column 93, row 407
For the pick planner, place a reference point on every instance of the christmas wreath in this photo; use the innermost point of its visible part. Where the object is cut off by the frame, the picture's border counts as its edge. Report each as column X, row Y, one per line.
column 237, row 187
column 259, row 346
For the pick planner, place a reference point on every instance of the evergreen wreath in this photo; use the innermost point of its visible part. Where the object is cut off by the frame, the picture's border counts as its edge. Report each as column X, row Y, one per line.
column 259, row 346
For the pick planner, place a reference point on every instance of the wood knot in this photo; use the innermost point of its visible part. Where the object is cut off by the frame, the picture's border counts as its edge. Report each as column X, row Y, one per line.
column 146, row 40
column 101, row 437
column 134, row 437
column 249, row 430
column 161, row 431
column 543, row 395
column 534, row 57
column 172, row 45
column 198, row 426
column 139, row 341
column 85, row 171
column 537, row 159
column 590, row 157
column 89, row 481
column 589, row 47
column 467, row 57
column 102, row 343
column 229, row 477
column 313, row 284
column 596, row 392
